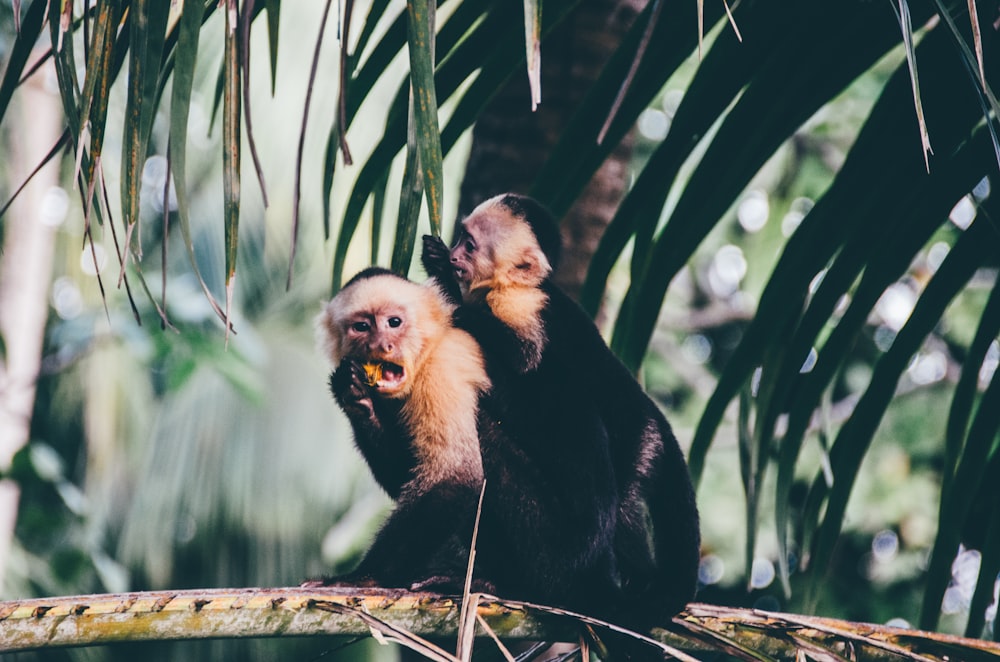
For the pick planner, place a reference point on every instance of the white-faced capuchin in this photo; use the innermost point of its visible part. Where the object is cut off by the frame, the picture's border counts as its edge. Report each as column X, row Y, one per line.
column 500, row 263
column 409, row 383
column 548, row 518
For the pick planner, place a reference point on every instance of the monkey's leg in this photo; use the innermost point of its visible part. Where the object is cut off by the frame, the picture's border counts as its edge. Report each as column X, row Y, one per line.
column 420, row 526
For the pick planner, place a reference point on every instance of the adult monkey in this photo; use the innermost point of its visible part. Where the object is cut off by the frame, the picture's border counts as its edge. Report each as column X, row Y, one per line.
column 409, row 383
column 549, row 509
column 499, row 266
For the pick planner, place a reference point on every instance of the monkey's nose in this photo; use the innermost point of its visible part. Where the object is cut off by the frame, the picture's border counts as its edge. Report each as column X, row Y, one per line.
column 383, row 348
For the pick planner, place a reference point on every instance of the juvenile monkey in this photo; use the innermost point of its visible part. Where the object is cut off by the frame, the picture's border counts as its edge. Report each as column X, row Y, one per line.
column 431, row 425
column 500, row 263
column 409, row 383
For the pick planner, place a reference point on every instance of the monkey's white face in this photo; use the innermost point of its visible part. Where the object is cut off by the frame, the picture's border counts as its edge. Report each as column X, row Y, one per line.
column 383, row 320
column 493, row 247
column 378, row 336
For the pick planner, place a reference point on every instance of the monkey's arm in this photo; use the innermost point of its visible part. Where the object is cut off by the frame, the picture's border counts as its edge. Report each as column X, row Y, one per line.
column 428, row 525
column 437, row 263
column 379, row 432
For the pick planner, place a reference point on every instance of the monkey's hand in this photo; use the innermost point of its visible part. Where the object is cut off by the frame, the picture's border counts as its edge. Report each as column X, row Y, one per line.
column 436, row 259
column 349, row 385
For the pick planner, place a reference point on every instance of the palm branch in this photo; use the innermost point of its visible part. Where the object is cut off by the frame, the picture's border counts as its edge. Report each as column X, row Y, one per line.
column 410, row 619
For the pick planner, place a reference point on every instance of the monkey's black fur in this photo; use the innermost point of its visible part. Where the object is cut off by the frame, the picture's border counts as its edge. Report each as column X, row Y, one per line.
column 653, row 484
column 550, row 507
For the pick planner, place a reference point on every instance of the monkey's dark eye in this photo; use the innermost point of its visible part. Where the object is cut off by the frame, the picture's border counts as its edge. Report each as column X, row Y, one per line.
column 395, row 322
column 361, row 327
column 470, row 245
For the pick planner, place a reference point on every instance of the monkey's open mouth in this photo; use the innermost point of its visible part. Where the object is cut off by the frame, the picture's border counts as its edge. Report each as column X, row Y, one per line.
column 461, row 274
column 384, row 375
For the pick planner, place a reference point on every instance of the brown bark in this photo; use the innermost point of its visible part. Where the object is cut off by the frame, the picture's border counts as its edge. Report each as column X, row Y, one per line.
column 510, row 143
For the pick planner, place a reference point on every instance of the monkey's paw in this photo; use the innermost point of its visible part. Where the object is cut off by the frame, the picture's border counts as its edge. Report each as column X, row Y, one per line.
column 435, row 257
column 349, row 384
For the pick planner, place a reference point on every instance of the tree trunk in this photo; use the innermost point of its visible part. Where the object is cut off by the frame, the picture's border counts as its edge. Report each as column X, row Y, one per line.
column 510, row 143
column 25, row 277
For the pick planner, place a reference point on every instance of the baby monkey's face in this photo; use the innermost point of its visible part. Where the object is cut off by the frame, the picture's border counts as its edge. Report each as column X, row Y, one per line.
column 467, row 259
column 494, row 248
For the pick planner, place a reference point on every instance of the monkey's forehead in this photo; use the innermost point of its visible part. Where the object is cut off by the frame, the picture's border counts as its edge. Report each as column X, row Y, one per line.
column 495, row 225
column 385, row 295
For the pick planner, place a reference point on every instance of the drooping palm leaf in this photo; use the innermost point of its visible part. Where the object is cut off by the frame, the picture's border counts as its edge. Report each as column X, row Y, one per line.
column 27, row 34
column 147, row 22
column 231, row 144
column 186, row 56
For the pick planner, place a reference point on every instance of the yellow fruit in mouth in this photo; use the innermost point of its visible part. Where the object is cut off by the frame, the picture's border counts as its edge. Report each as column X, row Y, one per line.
column 373, row 371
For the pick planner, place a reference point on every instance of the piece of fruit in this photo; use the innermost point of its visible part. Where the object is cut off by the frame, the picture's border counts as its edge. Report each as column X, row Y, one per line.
column 373, row 371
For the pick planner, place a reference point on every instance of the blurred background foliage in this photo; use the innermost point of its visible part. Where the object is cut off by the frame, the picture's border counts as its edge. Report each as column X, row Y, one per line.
column 811, row 301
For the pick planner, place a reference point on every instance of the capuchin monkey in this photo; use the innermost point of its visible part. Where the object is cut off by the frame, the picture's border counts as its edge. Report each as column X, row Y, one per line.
column 432, row 425
column 409, row 382
column 500, row 266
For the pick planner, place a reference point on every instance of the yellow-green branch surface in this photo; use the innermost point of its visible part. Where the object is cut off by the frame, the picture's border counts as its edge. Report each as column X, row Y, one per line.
column 221, row 613
column 278, row 612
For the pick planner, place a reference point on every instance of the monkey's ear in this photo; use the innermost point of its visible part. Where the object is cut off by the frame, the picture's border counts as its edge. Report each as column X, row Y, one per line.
column 529, row 268
column 328, row 335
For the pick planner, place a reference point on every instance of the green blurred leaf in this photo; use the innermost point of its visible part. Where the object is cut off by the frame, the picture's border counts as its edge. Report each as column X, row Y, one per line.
column 808, row 251
column 966, row 391
column 578, row 154
column 853, row 440
column 909, row 225
column 783, row 94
